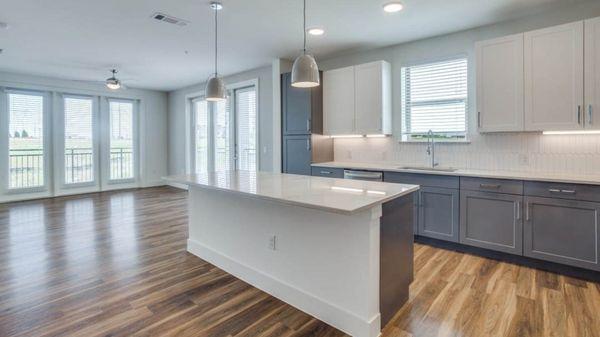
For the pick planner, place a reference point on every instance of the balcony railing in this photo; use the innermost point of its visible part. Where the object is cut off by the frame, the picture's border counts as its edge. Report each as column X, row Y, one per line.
column 26, row 166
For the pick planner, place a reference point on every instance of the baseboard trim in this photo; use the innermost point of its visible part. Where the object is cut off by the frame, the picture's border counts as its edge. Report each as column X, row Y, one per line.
column 580, row 273
column 323, row 310
column 178, row 185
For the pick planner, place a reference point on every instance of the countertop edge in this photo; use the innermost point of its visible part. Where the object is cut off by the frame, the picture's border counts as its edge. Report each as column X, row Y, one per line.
column 462, row 173
column 297, row 203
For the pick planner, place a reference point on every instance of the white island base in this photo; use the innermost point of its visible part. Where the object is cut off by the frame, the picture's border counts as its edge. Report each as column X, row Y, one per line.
column 320, row 259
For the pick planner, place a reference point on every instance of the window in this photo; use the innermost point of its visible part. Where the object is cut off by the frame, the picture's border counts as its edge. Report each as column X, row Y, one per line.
column 225, row 133
column 121, row 140
column 79, row 140
column 26, row 140
column 200, row 110
column 434, row 97
column 245, row 107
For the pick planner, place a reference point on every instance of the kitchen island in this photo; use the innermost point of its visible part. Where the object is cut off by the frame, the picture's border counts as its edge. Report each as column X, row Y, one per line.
column 340, row 250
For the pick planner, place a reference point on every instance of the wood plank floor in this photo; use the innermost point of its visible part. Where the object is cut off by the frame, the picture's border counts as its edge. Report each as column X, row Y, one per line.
column 115, row 264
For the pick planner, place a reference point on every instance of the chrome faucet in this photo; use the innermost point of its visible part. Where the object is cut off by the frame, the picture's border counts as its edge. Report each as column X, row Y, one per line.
column 431, row 148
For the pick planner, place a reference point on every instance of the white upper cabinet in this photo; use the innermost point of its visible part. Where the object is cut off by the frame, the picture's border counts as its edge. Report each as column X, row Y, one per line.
column 499, row 68
column 554, row 78
column 592, row 74
column 338, row 101
column 357, row 100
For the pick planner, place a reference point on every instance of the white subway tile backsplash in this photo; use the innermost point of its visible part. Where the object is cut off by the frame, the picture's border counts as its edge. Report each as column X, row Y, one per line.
column 530, row 152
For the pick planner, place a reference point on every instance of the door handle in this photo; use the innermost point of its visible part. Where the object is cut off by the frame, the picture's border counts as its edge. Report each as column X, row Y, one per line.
column 490, row 186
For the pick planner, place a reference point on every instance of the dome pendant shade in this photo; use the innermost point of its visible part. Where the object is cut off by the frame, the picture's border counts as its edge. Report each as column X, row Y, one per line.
column 215, row 89
column 305, row 72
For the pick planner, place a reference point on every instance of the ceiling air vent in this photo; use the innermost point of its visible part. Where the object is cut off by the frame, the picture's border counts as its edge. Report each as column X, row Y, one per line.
column 169, row 19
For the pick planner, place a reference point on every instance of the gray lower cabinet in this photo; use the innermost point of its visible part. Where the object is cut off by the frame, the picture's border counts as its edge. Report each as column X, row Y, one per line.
column 297, row 154
column 329, row 172
column 562, row 231
column 492, row 220
column 438, row 213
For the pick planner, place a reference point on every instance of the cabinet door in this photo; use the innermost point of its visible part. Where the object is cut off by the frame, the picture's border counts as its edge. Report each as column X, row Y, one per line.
column 438, row 213
column 492, row 221
column 371, row 97
column 297, row 155
column 500, row 84
column 554, row 78
column 338, row 101
column 592, row 73
column 562, row 231
column 296, row 108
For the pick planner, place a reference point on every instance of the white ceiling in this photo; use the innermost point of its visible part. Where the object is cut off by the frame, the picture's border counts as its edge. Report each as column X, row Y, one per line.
column 82, row 39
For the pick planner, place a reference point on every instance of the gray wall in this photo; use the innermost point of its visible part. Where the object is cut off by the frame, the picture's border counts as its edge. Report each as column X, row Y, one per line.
column 177, row 127
column 483, row 151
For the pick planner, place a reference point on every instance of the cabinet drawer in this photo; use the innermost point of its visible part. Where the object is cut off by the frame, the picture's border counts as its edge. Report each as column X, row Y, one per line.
column 319, row 171
column 429, row 180
column 563, row 191
column 491, row 185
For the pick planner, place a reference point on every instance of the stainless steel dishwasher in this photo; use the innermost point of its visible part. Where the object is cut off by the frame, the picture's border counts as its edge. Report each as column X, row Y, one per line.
column 363, row 175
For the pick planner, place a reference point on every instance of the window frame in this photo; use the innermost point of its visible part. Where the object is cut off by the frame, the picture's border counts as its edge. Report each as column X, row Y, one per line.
column 191, row 124
column 60, row 131
column 109, row 183
column 48, row 153
column 407, row 138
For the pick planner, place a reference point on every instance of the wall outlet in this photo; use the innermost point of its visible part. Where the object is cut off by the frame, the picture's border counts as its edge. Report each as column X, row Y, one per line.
column 273, row 242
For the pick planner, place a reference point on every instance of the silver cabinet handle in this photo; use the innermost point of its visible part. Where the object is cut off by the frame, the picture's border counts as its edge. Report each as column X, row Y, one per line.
column 325, row 172
column 527, row 215
column 478, row 119
column 556, row 190
column 490, row 186
column 590, row 113
column 308, row 125
column 579, row 114
column 308, row 145
column 553, row 190
column 518, row 210
column 568, row 191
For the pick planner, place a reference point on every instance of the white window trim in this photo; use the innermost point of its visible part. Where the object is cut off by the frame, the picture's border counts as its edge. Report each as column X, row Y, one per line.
column 39, row 191
column 414, row 63
column 108, row 183
column 59, row 146
column 190, row 145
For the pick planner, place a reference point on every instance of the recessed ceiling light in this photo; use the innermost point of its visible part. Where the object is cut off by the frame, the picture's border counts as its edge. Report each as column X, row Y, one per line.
column 316, row 31
column 393, row 7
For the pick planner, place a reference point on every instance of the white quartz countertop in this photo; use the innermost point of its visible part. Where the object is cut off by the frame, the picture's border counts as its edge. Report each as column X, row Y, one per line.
column 533, row 176
column 328, row 194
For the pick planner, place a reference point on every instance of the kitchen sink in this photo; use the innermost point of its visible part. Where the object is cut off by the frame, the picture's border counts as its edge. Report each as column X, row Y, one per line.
column 425, row 168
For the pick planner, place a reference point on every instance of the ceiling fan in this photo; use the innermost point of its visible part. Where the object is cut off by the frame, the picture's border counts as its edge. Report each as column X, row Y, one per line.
column 112, row 83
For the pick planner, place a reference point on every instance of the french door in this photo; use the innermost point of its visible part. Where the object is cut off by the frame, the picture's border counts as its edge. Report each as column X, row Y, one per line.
column 224, row 134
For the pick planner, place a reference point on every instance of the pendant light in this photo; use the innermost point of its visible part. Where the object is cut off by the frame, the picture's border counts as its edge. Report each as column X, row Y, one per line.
column 215, row 87
column 305, row 72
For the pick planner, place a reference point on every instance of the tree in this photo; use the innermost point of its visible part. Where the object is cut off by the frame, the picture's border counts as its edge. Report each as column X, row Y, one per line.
column 17, row 135
column 24, row 134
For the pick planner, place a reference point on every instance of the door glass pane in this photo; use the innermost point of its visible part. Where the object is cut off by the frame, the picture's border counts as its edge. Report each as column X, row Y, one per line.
column 245, row 100
column 79, row 163
column 222, row 136
column 201, row 135
column 26, row 140
column 121, row 140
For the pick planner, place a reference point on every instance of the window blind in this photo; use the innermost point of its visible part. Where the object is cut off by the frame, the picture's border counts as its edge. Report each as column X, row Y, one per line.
column 26, row 140
column 201, row 134
column 121, row 140
column 79, row 158
column 222, row 136
column 245, row 100
column 434, row 98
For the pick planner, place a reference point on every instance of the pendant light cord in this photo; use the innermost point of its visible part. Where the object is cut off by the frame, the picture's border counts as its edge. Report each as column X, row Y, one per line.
column 216, row 34
column 304, row 18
